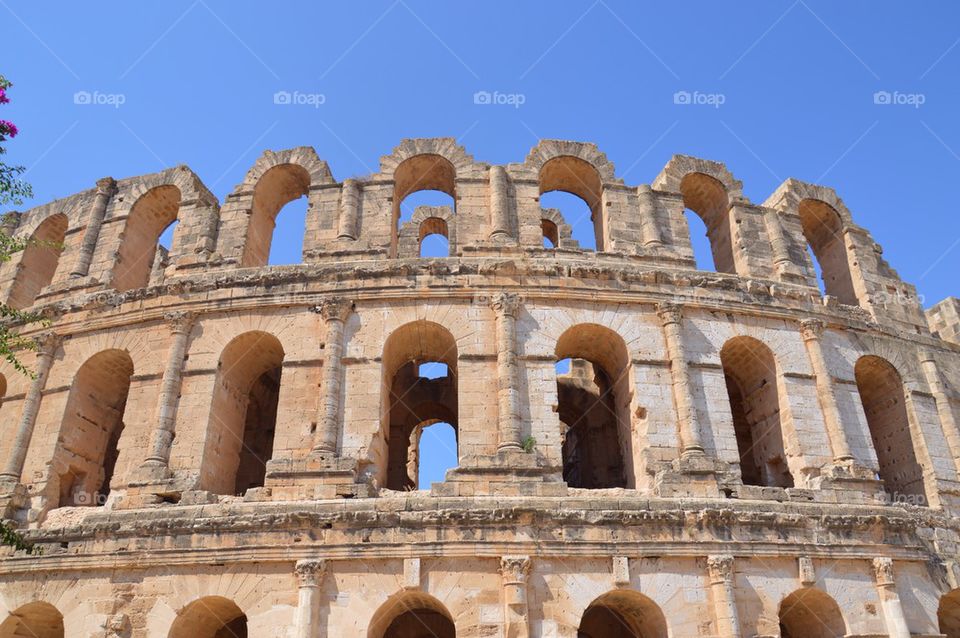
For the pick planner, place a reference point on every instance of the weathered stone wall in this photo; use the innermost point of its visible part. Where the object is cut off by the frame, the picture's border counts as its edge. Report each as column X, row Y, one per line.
column 758, row 458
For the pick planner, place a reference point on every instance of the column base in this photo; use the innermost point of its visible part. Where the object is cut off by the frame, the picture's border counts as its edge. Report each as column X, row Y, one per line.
column 320, row 475
column 509, row 472
column 692, row 475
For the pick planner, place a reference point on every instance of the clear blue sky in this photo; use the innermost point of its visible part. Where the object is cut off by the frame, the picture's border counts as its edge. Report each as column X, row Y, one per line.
column 796, row 79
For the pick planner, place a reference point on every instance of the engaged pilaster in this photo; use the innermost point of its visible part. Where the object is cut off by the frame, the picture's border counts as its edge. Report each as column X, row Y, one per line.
column 721, row 569
column 106, row 189
column 334, row 312
column 812, row 332
column 501, row 228
column 890, row 599
column 309, row 576
column 514, row 572
column 46, row 344
column 507, row 308
column 181, row 324
column 939, row 391
column 691, row 441
column 349, row 221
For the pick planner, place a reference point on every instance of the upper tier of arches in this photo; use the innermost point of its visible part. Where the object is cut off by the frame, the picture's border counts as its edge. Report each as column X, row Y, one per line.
column 110, row 237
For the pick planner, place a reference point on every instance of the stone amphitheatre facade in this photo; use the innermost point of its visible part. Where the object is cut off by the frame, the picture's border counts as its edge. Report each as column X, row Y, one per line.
column 212, row 447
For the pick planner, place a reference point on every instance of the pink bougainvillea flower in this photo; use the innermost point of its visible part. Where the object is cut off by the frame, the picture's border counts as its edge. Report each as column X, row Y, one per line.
column 8, row 128
column 3, row 96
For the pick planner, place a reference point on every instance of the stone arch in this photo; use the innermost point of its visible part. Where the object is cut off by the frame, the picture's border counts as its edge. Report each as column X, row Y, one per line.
column 421, row 173
column 882, row 396
column 707, row 197
column 556, row 229
column 412, row 614
column 39, row 262
column 210, row 617
column 948, row 614
column 427, row 220
column 623, row 613
column 93, row 421
column 757, row 406
column 278, row 186
column 33, row 620
column 150, row 215
column 411, row 401
column 578, row 177
column 823, row 229
column 593, row 406
column 810, row 613
column 243, row 412
column 680, row 166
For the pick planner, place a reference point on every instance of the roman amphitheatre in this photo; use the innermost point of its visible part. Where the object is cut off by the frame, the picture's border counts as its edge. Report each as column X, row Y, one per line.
column 213, row 447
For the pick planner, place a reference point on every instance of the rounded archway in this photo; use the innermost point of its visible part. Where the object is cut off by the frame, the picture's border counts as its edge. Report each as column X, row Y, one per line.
column 150, row 216
column 33, row 620
column 577, row 177
column 210, row 617
column 412, row 615
column 279, row 186
column 948, row 614
column 810, row 613
column 707, row 198
column 623, row 614
column 593, row 390
column 40, row 260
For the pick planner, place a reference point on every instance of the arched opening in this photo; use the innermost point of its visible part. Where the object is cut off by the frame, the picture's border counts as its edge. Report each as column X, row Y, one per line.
column 433, row 451
column 150, row 216
column 210, row 617
column 707, row 197
column 823, row 230
column 412, row 615
column 948, row 614
column 33, row 620
column 422, row 180
column 753, row 387
column 574, row 187
column 90, row 432
column 39, row 262
column 551, row 234
column 243, row 414
column 419, row 390
column 623, row 614
column 593, row 397
column 275, row 189
column 810, row 613
column 884, row 405
column 434, row 238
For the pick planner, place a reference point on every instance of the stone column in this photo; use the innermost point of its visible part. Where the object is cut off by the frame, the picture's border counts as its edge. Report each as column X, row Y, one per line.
column 890, row 599
column 106, row 189
column 721, row 582
column 514, row 571
column 309, row 574
column 691, row 441
column 181, row 324
column 347, row 224
column 812, row 332
column 652, row 237
column 47, row 345
column 499, row 205
column 778, row 240
column 939, row 391
column 507, row 306
column 334, row 312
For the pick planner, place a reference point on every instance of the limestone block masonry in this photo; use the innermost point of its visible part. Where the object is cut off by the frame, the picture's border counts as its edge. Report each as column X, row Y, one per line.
column 213, row 447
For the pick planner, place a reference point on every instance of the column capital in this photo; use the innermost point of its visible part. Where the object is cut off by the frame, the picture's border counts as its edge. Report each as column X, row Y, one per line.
column 812, row 329
column 670, row 312
column 46, row 342
column 180, row 321
column 310, row 571
column 515, row 569
column 883, row 571
column 334, row 308
column 107, row 186
column 720, row 567
column 506, row 303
